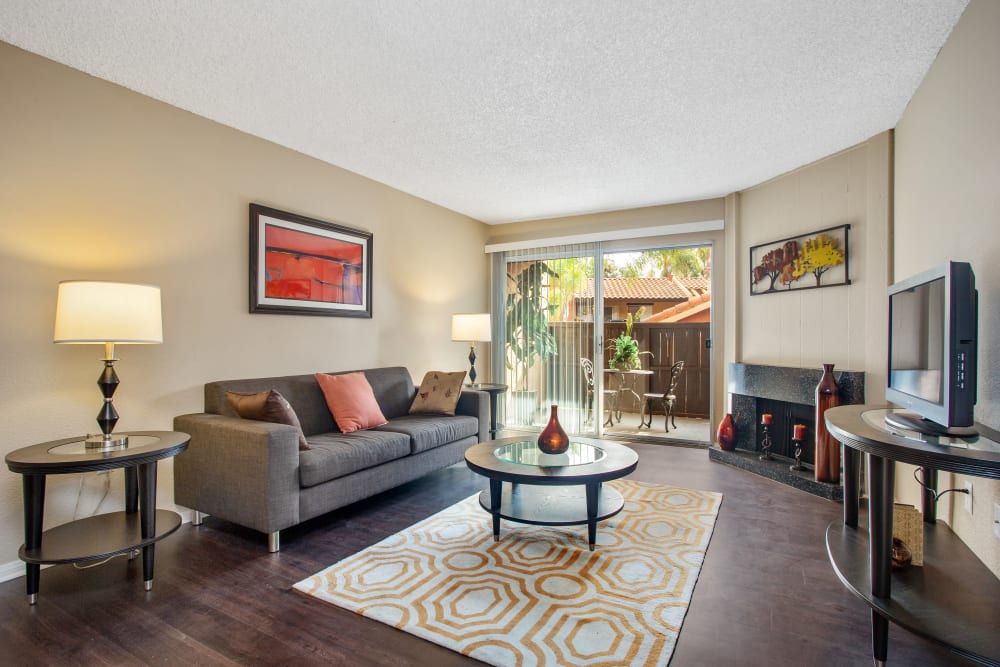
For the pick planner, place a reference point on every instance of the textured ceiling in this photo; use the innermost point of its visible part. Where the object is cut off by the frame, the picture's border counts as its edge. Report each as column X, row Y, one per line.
column 518, row 109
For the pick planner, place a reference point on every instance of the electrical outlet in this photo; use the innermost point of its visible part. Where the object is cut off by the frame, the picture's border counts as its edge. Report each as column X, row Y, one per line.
column 996, row 519
column 968, row 497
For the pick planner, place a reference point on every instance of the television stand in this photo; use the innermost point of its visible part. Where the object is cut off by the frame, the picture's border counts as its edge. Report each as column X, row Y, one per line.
column 953, row 600
column 910, row 421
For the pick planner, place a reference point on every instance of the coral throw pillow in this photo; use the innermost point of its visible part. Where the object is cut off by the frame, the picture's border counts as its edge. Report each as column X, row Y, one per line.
column 351, row 401
column 267, row 406
column 438, row 393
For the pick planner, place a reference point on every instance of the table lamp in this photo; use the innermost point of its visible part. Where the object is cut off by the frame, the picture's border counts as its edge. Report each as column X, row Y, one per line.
column 470, row 328
column 106, row 313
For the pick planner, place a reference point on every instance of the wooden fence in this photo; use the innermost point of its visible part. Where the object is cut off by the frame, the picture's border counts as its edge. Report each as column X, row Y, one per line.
column 668, row 342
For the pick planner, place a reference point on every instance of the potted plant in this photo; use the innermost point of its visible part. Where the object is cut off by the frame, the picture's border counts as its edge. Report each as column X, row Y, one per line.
column 625, row 349
column 527, row 331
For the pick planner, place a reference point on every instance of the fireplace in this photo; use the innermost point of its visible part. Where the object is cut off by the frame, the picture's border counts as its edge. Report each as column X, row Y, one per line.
column 788, row 394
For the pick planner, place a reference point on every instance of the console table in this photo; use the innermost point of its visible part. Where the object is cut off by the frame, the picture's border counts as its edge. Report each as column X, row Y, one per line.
column 103, row 536
column 953, row 600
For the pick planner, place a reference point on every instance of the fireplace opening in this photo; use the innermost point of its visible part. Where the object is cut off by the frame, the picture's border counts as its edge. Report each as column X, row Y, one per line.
column 786, row 416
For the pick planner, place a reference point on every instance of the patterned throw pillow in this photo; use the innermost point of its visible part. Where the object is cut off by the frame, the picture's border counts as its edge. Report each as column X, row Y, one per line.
column 351, row 401
column 438, row 393
column 267, row 406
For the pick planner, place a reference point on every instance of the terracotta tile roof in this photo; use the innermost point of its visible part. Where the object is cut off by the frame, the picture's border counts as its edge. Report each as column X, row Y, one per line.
column 674, row 313
column 651, row 289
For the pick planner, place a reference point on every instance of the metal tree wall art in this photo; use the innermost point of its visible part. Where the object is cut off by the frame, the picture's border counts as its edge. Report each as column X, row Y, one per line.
column 818, row 259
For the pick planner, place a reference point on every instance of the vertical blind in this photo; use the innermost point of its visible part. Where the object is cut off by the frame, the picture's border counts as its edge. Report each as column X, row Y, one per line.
column 544, row 339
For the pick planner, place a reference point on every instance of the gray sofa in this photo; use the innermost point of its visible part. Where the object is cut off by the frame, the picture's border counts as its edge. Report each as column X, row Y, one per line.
column 252, row 472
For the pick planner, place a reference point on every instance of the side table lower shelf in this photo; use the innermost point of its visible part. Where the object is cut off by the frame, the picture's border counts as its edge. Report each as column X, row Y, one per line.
column 98, row 537
column 953, row 600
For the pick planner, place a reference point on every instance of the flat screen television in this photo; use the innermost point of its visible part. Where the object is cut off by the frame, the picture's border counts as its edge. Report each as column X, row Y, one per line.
column 932, row 350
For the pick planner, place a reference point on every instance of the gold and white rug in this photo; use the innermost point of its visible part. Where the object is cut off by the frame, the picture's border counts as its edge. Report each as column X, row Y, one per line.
column 539, row 596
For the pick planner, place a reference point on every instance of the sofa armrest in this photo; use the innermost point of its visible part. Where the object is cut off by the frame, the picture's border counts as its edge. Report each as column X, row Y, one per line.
column 476, row 404
column 240, row 470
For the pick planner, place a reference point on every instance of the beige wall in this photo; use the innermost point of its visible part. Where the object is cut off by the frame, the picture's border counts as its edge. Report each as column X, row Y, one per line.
column 948, row 208
column 652, row 216
column 100, row 182
column 839, row 325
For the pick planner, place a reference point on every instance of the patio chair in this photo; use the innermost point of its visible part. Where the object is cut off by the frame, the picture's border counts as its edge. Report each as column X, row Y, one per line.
column 668, row 400
column 610, row 395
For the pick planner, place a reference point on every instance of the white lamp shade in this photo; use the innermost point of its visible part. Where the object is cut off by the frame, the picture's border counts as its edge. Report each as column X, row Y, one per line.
column 470, row 327
column 90, row 311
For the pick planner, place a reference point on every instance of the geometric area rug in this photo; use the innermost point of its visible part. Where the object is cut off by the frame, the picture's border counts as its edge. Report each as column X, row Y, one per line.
column 539, row 596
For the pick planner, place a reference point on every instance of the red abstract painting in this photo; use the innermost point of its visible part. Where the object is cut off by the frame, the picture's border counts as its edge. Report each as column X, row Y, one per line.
column 310, row 267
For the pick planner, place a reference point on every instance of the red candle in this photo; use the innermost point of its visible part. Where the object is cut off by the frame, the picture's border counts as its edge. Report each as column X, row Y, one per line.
column 800, row 432
column 766, row 418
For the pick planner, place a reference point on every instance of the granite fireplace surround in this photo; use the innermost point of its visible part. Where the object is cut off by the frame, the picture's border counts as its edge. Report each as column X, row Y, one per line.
column 790, row 395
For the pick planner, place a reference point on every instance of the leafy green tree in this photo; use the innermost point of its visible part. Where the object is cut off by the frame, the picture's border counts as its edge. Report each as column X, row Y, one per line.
column 681, row 262
column 574, row 273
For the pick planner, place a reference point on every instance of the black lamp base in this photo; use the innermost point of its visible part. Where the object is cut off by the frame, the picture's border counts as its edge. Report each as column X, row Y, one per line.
column 108, row 416
column 472, row 363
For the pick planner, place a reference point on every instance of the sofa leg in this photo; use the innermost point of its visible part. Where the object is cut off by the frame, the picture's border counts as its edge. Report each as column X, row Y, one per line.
column 274, row 541
column 197, row 518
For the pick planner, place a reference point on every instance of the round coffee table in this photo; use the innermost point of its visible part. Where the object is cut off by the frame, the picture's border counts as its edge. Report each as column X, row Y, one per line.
column 551, row 489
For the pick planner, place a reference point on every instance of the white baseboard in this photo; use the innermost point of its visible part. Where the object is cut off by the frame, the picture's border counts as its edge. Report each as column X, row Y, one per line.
column 11, row 570
column 15, row 568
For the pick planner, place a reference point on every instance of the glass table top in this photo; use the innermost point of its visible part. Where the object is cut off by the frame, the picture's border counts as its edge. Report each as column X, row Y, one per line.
column 528, row 453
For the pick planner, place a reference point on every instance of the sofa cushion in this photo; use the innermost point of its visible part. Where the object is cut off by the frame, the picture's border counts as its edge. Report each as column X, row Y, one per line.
column 351, row 401
column 429, row 431
column 266, row 406
column 333, row 455
column 438, row 393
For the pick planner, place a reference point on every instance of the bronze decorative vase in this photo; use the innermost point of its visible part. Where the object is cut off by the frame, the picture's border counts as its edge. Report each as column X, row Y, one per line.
column 553, row 440
column 827, row 453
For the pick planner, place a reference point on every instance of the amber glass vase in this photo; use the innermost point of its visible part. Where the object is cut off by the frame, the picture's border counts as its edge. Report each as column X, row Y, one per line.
column 553, row 440
column 827, row 448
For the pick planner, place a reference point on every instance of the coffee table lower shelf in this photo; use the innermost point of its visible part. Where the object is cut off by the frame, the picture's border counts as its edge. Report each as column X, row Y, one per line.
column 552, row 505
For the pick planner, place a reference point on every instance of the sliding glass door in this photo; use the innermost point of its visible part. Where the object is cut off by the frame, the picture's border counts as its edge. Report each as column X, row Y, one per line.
column 559, row 311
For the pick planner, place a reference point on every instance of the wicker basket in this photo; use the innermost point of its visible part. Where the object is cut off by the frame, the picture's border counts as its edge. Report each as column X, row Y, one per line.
column 908, row 525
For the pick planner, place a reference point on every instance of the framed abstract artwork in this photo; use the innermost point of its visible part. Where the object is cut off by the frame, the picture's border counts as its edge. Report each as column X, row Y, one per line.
column 809, row 261
column 302, row 266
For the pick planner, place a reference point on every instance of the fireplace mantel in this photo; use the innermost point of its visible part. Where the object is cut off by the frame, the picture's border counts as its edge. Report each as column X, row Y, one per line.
column 792, row 385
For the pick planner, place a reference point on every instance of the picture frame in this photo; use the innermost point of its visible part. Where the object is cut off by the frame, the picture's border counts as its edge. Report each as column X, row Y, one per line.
column 807, row 261
column 304, row 266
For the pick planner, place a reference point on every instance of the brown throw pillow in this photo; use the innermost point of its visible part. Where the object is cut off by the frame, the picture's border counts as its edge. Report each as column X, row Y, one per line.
column 267, row 406
column 438, row 393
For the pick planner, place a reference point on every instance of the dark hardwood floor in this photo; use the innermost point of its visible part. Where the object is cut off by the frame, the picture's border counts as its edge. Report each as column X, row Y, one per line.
column 766, row 594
